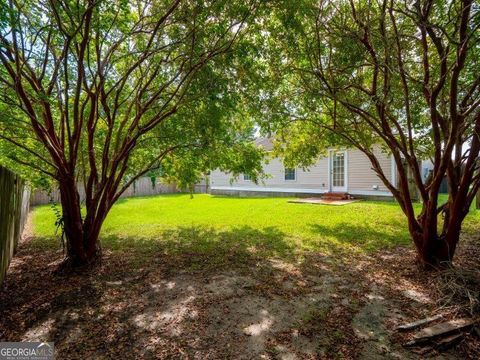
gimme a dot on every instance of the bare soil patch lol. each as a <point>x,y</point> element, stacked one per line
<point>321,307</point>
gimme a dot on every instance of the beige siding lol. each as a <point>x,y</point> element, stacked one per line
<point>316,177</point>
<point>361,179</point>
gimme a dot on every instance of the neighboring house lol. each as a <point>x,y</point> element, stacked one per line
<point>427,168</point>
<point>343,170</point>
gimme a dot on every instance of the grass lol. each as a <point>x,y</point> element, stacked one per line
<point>243,227</point>
<point>145,297</point>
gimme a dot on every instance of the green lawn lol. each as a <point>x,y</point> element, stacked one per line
<point>219,226</point>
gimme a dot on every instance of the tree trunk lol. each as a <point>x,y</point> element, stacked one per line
<point>81,241</point>
<point>436,250</point>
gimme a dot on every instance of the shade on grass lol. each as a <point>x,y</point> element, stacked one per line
<point>227,225</point>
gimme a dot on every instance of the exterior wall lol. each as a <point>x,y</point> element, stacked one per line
<point>249,193</point>
<point>360,178</point>
<point>311,180</point>
<point>426,167</point>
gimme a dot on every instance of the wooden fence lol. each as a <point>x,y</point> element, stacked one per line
<point>14,205</point>
<point>145,186</point>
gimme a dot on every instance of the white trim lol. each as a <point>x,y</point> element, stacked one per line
<point>295,190</point>
<point>329,186</point>
<point>345,171</point>
<point>294,173</point>
<point>393,169</point>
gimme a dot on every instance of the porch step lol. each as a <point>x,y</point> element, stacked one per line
<point>336,196</point>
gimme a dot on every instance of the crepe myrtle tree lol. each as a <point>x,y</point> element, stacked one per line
<point>96,92</point>
<point>400,75</point>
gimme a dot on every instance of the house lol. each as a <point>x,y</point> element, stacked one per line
<point>342,171</point>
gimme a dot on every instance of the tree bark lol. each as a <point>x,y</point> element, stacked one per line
<point>435,248</point>
<point>81,238</point>
<point>437,251</point>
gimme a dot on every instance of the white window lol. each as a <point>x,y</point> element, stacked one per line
<point>247,177</point>
<point>290,174</point>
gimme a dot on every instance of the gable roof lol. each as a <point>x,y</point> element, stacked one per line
<point>265,143</point>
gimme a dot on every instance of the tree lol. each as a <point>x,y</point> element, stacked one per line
<point>403,76</point>
<point>100,92</point>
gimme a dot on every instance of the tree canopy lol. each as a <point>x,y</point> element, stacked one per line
<point>398,75</point>
<point>102,92</point>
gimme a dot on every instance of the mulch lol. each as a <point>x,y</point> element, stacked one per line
<point>163,309</point>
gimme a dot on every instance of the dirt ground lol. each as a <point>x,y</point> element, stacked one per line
<point>323,307</point>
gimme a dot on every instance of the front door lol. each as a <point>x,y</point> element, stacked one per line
<point>338,179</point>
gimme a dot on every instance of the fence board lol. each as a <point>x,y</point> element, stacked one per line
<point>14,205</point>
<point>144,186</point>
